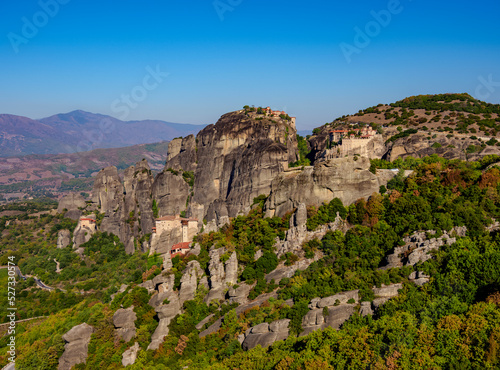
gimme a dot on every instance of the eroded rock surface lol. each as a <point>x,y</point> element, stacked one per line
<point>266,334</point>
<point>124,322</point>
<point>222,275</point>
<point>384,293</point>
<point>189,281</point>
<point>76,347</point>
<point>130,355</point>
<point>63,238</point>
<point>166,312</point>
<point>345,178</point>
<point>233,161</point>
<point>418,245</point>
<point>71,202</point>
<point>298,234</point>
<point>338,309</point>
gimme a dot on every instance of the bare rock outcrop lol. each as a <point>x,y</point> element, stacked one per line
<point>166,312</point>
<point>366,309</point>
<point>182,154</point>
<point>339,308</point>
<point>222,276</point>
<point>63,238</point>
<point>124,322</point>
<point>418,245</point>
<point>127,207</point>
<point>162,243</point>
<point>72,203</point>
<point>283,271</point>
<point>256,302</point>
<point>298,233</point>
<point>239,293</point>
<point>384,293</point>
<point>231,270</point>
<point>266,334</point>
<point>450,147</point>
<point>138,182</point>
<point>189,282</point>
<point>171,192</point>
<point>345,178</point>
<point>233,161</point>
<point>419,278</point>
<point>108,190</point>
<point>130,355</point>
<point>76,347</point>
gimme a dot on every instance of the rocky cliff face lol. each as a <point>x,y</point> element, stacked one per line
<point>345,178</point>
<point>171,193</point>
<point>445,145</point>
<point>128,206</point>
<point>233,162</point>
<point>71,204</point>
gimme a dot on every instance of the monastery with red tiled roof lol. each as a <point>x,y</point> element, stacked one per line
<point>179,249</point>
<point>188,226</point>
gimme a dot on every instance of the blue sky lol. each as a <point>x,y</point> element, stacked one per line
<point>220,55</point>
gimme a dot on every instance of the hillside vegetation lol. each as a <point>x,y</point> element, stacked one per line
<point>451,322</point>
<point>453,113</point>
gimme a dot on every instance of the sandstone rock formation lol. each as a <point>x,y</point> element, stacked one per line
<point>124,322</point>
<point>162,243</point>
<point>256,302</point>
<point>283,271</point>
<point>345,178</point>
<point>418,146</point>
<point>171,192</point>
<point>128,206</point>
<point>222,276</point>
<point>417,247</point>
<point>72,203</point>
<point>63,238</point>
<point>419,278</point>
<point>339,308</point>
<point>240,293</point>
<point>189,282</point>
<point>138,182</point>
<point>233,161</point>
<point>130,355</point>
<point>298,234</point>
<point>266,334</point>
<point>166,312</point>
<point>384,293</point>
<point>182,154</point>
<point>76,347</point>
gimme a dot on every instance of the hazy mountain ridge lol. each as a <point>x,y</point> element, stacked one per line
<point>80,131</point>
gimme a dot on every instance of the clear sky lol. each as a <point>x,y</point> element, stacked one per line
<point>192,61</point>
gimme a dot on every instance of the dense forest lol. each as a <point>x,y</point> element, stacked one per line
<point>451,322</point>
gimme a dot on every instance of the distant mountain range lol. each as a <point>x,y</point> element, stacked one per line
<point>80,131</point>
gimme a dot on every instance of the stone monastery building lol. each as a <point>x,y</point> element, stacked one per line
<point>189,226</point>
